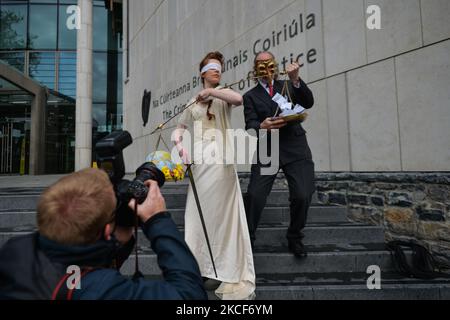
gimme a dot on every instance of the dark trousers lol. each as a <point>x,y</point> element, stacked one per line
<point>300,178</point>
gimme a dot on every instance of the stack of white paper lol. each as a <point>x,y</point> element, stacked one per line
<point>286,107</point>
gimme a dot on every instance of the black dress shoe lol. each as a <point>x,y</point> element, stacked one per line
<point>297,248</point>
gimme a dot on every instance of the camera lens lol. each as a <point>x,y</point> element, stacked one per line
<point>149,171</point>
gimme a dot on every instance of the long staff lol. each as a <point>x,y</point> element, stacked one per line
<point>197,201</point>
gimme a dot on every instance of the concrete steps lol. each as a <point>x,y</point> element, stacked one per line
<point>268,235</point>
<point>284,262</point>
<point>402,290</point>
<point>176,199</point>
<point>339,251</point>
<point>345,286</point>
<point>348,285</point>
<point>10,218</point>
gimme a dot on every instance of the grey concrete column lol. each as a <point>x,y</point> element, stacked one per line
<point>37,134</point>
<point>83,122</point>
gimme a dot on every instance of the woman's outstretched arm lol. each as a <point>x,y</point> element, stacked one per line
<point>227,95</point>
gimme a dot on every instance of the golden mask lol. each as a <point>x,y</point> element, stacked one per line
<point>266,68</point>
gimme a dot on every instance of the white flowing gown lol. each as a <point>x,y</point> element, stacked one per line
<point>222,205</point>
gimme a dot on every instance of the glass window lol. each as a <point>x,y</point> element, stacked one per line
<point>112,77</point>
<point>5,84</point>
<point>13,26</point>
<point>100,73</point>
<point>104,121</point>
<point>107,90</point>
<point>42,68</point>
<point>119,117</point>
<point>44,1</point>
<point>99,121</point>
<point>99,3</point>
<point>15,122</point>
<point>67,38</point>
<point>107,77</point>
<point>14,59</point>
<point>67,73</point>
<point>100,28</point>
<point>60,137</point>
<point>119,77</point>
<point>43,27</point>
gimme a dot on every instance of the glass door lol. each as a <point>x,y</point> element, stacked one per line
<point>15,124</point>
<point>60,138</point>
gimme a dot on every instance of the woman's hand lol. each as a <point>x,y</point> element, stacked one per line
<point>204,95</point>
<point>177,138</point>
<point>184,155</point>
<point>227,95</point>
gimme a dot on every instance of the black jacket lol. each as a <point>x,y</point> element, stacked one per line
<point>31,267</point>
<point>258,106</point>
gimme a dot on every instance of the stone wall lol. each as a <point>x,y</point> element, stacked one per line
<point>408,205</point>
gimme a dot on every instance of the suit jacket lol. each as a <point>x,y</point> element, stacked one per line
<point>258,106</point>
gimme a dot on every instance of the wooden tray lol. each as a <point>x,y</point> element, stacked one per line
<point>295,117</point>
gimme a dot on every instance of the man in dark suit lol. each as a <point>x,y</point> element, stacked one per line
<point>295,157</point>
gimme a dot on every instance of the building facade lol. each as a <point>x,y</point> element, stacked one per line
<point>380,73</point>
<point>382,98</point>
<point>36,38</point>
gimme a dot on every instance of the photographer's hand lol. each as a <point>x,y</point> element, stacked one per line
<point>153,204</point>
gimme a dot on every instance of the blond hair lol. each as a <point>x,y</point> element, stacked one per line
<point>74,210</point>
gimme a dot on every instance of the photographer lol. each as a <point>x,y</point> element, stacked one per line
<point>76,222</point>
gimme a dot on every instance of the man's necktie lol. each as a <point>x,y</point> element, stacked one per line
<point>271,90</point>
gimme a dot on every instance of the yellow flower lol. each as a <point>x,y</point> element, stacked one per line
<point>166,172</point>
<point>177,174</point>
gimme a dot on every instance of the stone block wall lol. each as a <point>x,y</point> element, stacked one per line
<point>408,205</point>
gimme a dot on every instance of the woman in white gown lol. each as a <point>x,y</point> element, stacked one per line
<point>218,188</point>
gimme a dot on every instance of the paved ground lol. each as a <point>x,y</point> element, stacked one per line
<point>45,181</point>
<point>28,181</point>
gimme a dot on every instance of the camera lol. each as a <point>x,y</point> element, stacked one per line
<point>109,155</point>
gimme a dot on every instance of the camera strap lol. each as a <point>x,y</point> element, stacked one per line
<point>137,274</point>
<point>62,290</point>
